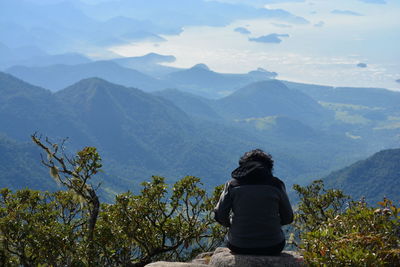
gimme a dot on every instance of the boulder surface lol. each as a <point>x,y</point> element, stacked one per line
<point>223,257</point>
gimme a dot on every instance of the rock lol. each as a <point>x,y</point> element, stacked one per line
<point>175,264</point>
<point>203,258</point>
<point>223,257</point>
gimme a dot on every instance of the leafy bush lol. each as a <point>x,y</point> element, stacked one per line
<point>38,228</point>
<point>357,235</point>
<point>71,228</point>
<point>157,224</point>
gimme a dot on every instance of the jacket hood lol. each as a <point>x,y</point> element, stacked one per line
<point>251,171</point>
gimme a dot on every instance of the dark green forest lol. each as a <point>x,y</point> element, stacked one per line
<point>373,178</point>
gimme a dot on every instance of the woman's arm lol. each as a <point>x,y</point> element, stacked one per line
<point>223,208</point>
<point>285,209</point>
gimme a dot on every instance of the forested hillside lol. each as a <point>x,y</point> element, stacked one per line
<point>373,178</point>
<point>21,168</point>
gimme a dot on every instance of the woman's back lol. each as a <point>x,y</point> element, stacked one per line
<point>259,206</point>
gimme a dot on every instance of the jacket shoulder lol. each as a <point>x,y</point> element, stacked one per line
<point>272,181</point>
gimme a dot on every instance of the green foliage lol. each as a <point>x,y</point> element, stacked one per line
<point>75,173</point>
<point>157,224</point>
<point>356,236</point>
<point>160,223</point>
<point>317,205</point>
<point>39,228</point>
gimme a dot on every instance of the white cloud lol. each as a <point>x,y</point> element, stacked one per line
<point>345,12</point>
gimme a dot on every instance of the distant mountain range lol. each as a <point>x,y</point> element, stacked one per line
<point>373,178</point>
<point>202,81</point>
<point>174,133</point>
<point>149,118</point>
<point>33,56</point>
<point>198,79</point>
<point>138,134</point>
<point>58,26</point>
<point>57,77</point>
<point>371,97</point>
<point>149,64</point>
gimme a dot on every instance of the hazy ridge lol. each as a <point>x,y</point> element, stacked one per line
<point>175,133</point>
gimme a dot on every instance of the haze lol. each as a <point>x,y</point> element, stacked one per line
<point>337,43</point>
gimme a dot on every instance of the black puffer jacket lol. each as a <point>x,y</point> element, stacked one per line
<point>258,205</point>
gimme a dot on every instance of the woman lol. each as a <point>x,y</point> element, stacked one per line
<point>259,206</point>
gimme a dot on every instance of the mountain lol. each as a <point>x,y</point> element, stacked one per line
<point>48,60</point>
<point>124,120</point>
<point>373,178</point>
<point>25,108</point>
<point>20,167</point>
<point>149,64</point>
<point>177,14</point>
<point>167,133</point>
<point>138,134</point>
<point>368,114</point>
<point>302,151</point>
<point>372,97</point>
<point>273,98</point>
<point>9,56</point>
<point>57,77</point>
<point>202,81</point>
<point>193,105</point>
<point>59,26</point>
<point>63,26</point>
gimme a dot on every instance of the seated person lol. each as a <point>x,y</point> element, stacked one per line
<point>254,205</point>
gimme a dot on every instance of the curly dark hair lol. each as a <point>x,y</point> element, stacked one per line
<point>258,155</point>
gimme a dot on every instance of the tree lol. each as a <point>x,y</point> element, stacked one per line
<point>40,228</point>
<point>333,234</point>
<point>75,173</point>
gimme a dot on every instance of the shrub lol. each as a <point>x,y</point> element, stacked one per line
<point>358,235</point>
<point>38,228</point>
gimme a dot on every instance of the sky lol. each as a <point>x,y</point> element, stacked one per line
<point>346,43</point>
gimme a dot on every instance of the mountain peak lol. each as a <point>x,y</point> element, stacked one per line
<point>87,88</point>
<point>92,82</point>
<point>263,73</point>
<point>158,58</point>
<point>201,66</point>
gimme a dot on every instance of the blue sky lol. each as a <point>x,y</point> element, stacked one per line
<point>340,34</point>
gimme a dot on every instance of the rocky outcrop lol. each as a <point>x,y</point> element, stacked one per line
<point>223,257</point>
